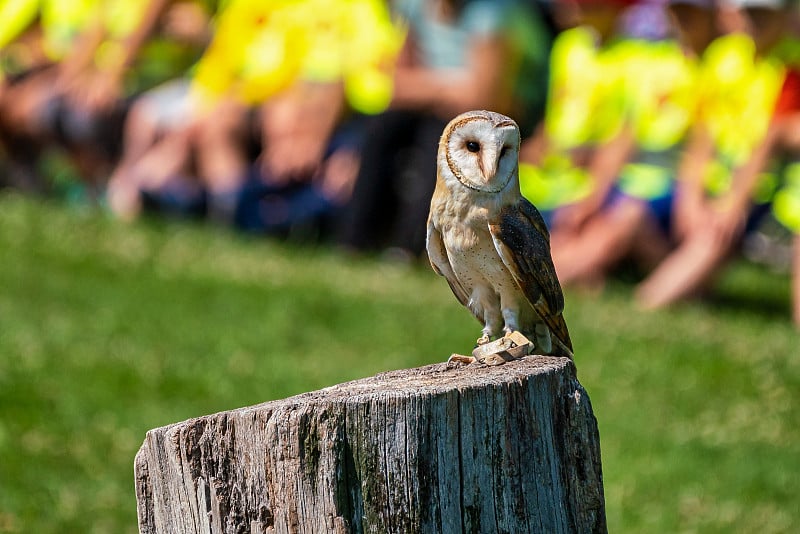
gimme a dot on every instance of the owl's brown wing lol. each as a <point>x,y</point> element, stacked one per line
<point>437,254</point>
<point>523,242</point>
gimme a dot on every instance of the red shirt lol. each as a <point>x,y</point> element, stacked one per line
<point>789,97</point>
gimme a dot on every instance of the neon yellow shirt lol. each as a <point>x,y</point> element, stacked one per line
<point>586,96</point>
<point>61,21</point>
<point>786,203</point>
<point>261,48</point>
<point>662,85</point>
<point>15,17</point>
<point>586,106</point>
<point>739,92</point>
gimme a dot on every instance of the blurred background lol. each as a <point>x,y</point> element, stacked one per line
<point>210,204</point>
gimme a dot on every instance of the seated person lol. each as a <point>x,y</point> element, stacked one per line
<point>628,213</point>
<point>76,99</point>
<point>727,183</point>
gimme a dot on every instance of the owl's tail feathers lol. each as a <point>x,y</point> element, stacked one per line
<point>551,337</point>
<point>560,349</point>
<point>559,336</point>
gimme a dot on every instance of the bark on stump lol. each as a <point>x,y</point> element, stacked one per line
<point>442,448</point>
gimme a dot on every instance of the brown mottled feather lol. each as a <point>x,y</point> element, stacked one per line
<point>526,253</point>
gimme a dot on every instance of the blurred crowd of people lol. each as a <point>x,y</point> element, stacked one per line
<point>658,132</point>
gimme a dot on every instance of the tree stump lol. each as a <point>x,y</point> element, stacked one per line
<point>442,448</point>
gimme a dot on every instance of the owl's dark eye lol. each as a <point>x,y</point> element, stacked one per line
<point>473,146</point>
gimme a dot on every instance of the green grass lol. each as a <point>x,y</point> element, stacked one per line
<point>108,330</point>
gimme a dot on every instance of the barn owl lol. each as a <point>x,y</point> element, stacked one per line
<point>491,244</point>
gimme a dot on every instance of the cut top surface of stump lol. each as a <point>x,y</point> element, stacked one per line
<point>430,379</point>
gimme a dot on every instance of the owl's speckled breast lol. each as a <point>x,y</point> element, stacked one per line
<point>474,258</point>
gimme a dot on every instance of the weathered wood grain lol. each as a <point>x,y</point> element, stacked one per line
<point>443,448</point>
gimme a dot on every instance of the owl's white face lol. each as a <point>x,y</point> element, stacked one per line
<point>480,150</point>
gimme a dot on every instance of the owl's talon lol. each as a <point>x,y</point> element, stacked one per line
<point>460,358</point>
<point>483,340</point>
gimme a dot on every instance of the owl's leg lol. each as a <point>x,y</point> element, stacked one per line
<point>511,323</point>
<point>543,340</point>
<point>484,302</point>
<point>509,306</point>
<point>491,321</point>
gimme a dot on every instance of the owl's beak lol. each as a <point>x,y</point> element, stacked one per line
<point>490,160</point>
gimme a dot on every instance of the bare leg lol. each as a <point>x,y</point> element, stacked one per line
<point>684,272</point>
<point>339,174</point>
<point>650,245</point>
<point>605,240</point>
<point>152,170</point>
<point>141,132</point>
<point>221,157</point>
<point>220,153</point>
<point>24,134</point>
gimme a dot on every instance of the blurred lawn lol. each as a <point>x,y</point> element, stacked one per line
<point>109,330</point>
